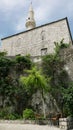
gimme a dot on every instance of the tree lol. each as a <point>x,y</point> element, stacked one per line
<point>5,78</point>
<point>21,63</point>
<point>68,99</point>
<point>36,81</point>
<point>53,66</point>
<point>11,92</point>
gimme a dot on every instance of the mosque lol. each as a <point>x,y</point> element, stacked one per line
<point>37,41</point>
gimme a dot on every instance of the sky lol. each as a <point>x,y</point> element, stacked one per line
<point>13,14</point>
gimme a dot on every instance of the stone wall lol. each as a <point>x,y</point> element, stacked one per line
<point>41,122</point>
<point>67,56</point>
<point>38,40</point>
<point>66,123</point>
<point>18,121</point>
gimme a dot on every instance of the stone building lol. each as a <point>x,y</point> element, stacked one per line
<point>37,41</point>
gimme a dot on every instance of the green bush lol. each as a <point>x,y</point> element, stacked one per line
<point>1,114</point>
<point>12,117</point>
<point>5,114</point>
<point>9,117</point>
<point>68,98</point>
<point>28,114</point>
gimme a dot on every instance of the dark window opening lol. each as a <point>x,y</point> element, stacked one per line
<point>44,51</point>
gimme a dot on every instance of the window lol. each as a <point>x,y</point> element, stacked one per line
<point>18,42</point>
<point>43,35</point>
<point>44,51</point>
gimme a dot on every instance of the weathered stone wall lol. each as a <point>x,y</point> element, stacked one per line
<point>32,41</point>
<point>66,123</point>
<point>67,56</point>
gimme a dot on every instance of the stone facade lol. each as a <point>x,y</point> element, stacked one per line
<point>67,56</point>
<point>37,41</point>
<point>66,123</point>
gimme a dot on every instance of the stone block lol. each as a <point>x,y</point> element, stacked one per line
<point>66,123</point>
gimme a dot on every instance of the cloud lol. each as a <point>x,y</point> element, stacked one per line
<point>10,4</point>
<point>12,8</point>
<point>20,25</point>
<point>14,12</point>
<point>47,11</point>
<point>42,12</point>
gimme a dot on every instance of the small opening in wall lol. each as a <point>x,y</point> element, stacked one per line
<point>44,51</point>
<point>43,35</point>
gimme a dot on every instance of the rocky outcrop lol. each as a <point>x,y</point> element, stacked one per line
<point>50,104</point>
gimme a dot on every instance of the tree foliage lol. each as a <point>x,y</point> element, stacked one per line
<point>28,114</point>
<point>11,91</point>
<point>36,81</point>
<point>68,99</point>
<point>53,66</point>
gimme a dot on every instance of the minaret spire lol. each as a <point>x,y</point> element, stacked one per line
<point>30,22</point>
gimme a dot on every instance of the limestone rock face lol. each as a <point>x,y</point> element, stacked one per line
<point>50,104</point>
<point>67,56</point>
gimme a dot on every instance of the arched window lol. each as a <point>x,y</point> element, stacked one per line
<point>43,35</point>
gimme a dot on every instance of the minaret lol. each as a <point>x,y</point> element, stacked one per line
<point>30,22</point>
